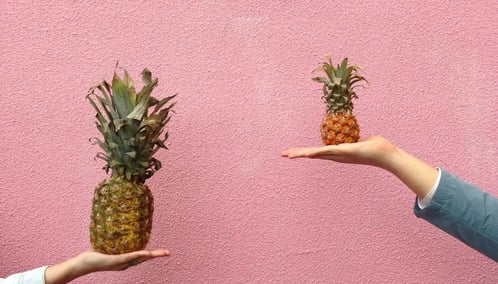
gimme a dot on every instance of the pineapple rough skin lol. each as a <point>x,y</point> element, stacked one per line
<point>339,128</point>
<point>121,218</point>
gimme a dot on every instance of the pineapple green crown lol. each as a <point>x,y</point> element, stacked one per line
<point>339,84</point>
<point>131,124</point>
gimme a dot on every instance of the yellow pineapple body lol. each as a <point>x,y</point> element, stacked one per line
<point>339,128</point>
<point>121,219</point>
<point>132,127</point>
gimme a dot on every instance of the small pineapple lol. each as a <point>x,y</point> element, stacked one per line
<point>339,125</point>
<point>121,218</point>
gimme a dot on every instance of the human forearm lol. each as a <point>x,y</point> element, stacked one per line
<point>91,261</point>
<point>379,152</point>
<point>64,272</point>
<point>413,172</point>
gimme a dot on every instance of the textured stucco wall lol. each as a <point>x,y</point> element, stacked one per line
<point>227,206</point>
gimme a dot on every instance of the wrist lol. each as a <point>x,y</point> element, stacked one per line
<point>78,266</point>
<point>62,272</point>
<point>388,155</point>
<point>413,172</point>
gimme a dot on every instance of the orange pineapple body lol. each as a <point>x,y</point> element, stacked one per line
<point>339,128</point>
<point>339,125</point>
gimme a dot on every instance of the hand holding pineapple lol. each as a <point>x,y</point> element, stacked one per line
<point>132,126</point>
<point>339,125</point>
<point>373,151</point>
<point>378,152</point>
<point>91,261</point>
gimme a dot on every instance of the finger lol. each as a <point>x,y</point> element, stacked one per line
<point>317,153</point>
<point>286,152</point>
<point>339,159</point>
<point>160,252</point>
<point>157,252</point>
<point>144,255</point>
<point>135,262</point>
<point>146,258</point>
<point>299,152</point>
<point>130,259</point>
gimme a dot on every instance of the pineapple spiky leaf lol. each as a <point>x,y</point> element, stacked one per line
<point>338,84</point>
<point>127,127</point>
<point>121,97</point>
<point>146,77</point>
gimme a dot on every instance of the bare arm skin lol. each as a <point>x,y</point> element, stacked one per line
<point>379,152</point>
<point>90,261</point>
<point>461,209</point>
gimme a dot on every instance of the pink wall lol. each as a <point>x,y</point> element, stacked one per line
<point>227,206</point>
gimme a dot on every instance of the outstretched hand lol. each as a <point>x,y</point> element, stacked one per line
<point>373,150</point>
<point>95,261</point>
<point>376,151</point>
<point>92,261</point>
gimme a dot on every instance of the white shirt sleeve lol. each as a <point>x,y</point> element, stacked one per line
<point>35,276</point>
<point>428,198</point>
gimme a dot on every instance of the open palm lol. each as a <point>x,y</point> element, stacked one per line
<point>95,261</point>
<point>372,150</point>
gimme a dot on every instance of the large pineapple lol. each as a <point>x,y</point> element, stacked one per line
<point>132,125</point>
<point>339,125</point>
